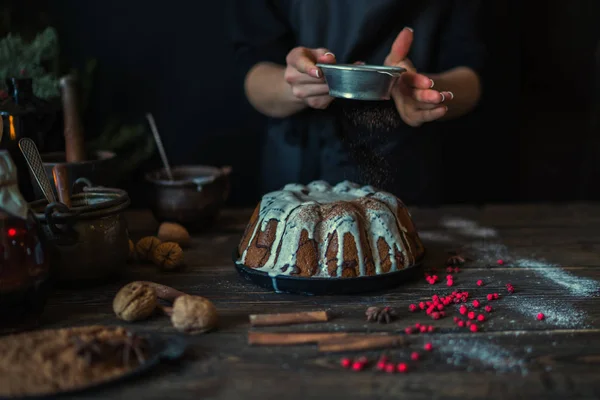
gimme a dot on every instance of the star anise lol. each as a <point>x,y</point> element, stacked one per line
<point>120,349</point>
<point>91,350</point>
<point>382,315</point>
<point>132,344</point>
<point>456,258</point>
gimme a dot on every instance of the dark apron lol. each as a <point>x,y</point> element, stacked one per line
<point>364,142</point>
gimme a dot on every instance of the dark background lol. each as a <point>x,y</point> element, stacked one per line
<point>538,140</point>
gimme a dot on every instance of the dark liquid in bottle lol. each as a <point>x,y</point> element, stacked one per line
<point>24,273</point>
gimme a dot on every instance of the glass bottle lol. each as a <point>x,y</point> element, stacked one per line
<point>24,268</point>
<point>22,114</point>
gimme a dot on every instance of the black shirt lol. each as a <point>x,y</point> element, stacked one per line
<point>366,142</point>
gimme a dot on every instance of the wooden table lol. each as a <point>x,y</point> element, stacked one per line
<point>556,249</point>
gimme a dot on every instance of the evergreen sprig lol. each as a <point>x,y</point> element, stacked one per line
<point>21,59</point>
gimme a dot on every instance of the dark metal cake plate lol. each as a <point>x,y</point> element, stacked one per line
<point>161,349</point>
<point>327,286</point>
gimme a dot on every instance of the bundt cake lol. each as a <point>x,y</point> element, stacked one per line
<point>322,231</point>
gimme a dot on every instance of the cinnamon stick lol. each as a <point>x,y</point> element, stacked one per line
<point>360,342</point>
<point>288,318</point>
<point>284,338</point>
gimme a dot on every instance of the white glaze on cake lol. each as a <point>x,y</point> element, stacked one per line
<point>297,208</point>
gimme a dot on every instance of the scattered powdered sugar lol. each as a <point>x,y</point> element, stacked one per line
<point>435,236</point>
<point>577,286</point>
<point>469,228</point>
<point>472,353</point>
<point>557,311</point>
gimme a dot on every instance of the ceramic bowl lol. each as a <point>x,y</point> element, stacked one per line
<point>193,198</point>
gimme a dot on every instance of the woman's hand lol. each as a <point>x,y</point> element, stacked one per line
<point>416,99</point>
<point>306,79</point>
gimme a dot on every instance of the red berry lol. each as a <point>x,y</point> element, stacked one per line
<point>476,303</point>
<point>440,307</point>
<point>430,328</point>
<point>481,318</point>
<point>357,366</point>
<point>408,330</point>
<point>422,305</point>
<point>449,282</point>
<point>346,362</point>
<point>449,270</point>
<point>456,319</point>
<point>473,328</point>
<point>381,365</point>
<point>500,262</point>
<point>449,277</point>
<point>435,298</point>
<point>390,368</point>
<point>430,310</point>
<point>461,323</point>
<point>435,278</point>
<point>463,309</point>
<point>541,316</point>
<point>435,315</point>
<point>402,367</point>
<point>456,270</point>
<point>423,329</point>
<point>428,347</point>
<point>412,308</point>
<point>490,297</point>
<point>471,315</point>
<point>468,323</point>
<point>496,296</point>
<point>431,281</point>
<point>488,309</point>
<point>414,356</point>
<point>417,325</point>
<point>480,283</point>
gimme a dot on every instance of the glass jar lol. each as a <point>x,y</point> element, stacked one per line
<point>24,268</point>
<point>22,114</point>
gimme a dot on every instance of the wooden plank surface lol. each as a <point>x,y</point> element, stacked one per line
<point>551,257</point>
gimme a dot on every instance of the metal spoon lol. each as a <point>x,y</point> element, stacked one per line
<point>34,160</point>
<point>159,144</point>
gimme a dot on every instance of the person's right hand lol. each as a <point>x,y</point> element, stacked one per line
<point>306,79</point>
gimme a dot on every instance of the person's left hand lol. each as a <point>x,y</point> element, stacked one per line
<point>416,100</point>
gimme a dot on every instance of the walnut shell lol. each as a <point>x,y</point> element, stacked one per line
<point>168,255</point>
<point>135,301</point>
<point>194,314</point>
<point>131,256</point>
<point>171,232</point>
<point>145,246</point>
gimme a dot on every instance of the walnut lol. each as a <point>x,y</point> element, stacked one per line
<point>171,232</point>
<point>168,255</point>
<point>135,301</point>
<point>131,256</point>
<point>193,314</point>
<point>145,246</point>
